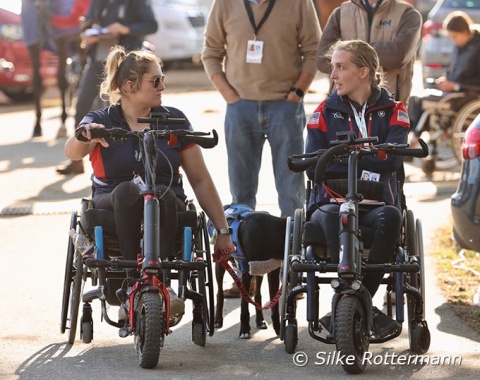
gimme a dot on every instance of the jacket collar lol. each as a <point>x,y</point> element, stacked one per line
<point>341,103</point>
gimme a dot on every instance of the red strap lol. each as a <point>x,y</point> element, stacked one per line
<point>219,258</point>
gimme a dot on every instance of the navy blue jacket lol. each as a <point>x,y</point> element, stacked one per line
<point>386,118</point>
<point>464,66</point>
<point>121,160</point>
<point>136,14</point>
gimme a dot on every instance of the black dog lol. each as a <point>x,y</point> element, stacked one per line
<point>261,238</point>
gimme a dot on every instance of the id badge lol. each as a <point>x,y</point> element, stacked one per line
<point>254,51</point>
<point>370,176</point>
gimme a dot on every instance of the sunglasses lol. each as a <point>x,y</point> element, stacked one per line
<point>157,80</point>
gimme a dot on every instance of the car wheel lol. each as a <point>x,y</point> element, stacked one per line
<point>19,96</point>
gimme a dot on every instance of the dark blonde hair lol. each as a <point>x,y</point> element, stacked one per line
<point>121,67</point>
<point>459,22</point>
<point>363,55</point>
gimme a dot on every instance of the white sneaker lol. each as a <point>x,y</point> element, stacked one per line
<point>177,308</point>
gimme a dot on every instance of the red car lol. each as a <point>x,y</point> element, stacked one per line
<point>15,64</point>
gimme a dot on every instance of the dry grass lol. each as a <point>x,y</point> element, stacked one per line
<point>457,277</point>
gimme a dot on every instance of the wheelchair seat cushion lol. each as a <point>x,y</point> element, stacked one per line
<point>99,217</point>
<point>313,235</point>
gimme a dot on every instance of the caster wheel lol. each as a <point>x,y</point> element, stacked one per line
<point>428,166</point>
<point>86,332</point>
<point>291,339</point>
<point>420,341</point>
<point>199,334</point>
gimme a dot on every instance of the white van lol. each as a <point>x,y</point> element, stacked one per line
<point>181,24</point>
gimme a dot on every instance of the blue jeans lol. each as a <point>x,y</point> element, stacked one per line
<point>247,125</point>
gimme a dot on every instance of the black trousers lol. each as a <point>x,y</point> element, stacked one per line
<point>385,222</point>
<point>126,202</point>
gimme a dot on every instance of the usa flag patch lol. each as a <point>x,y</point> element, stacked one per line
<point>314,118</point>
<point>402,116</point>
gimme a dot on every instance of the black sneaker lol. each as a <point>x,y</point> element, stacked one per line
<point>325,321</point>
<point>383,325</point>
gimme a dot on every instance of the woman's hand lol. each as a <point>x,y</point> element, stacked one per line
<point>88,135</point>
<point>446,85</point>
<point>224,245</point>
<point>116,29</point>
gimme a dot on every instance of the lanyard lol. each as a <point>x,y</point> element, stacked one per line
<point>256,28</point>
<point>360,119</point>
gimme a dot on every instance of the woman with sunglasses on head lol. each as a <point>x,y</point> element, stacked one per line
<point>362,105</point>
<point>134,83</point>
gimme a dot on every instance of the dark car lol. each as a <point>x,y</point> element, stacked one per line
<point>465,203</point>
<point>16,72</point>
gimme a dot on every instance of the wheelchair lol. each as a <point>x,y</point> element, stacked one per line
<point>307,264</point>
<point>140,287</point>
<point>443,124</point>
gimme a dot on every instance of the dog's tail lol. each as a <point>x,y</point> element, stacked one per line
<point>259,268</point>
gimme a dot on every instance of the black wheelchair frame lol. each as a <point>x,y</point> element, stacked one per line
<point>352,322</point>
<point>147,298</point>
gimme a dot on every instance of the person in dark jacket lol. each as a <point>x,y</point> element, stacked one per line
<point>110,22</point>
<point>361,105</point>
<point>462,73</point>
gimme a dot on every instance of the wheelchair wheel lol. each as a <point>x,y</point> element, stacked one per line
<point>69,275</point>
<point>150,329</point>
<point>285,275</point>
<point>87,332</point>
<point>200,324</point>
<point>291,338</point>
<point>75,297</point>
<point>72,287</point>
<point>207,280</point>
<point>461,122</point>
<point>418,333</point>
<point>409,234</point>
<point>295,277</point>
<point>351,333</point>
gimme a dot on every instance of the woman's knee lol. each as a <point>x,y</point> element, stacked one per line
<point>127,195</point>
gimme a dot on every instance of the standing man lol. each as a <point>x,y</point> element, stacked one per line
<point>123,22</point>
<point>392,27</point>
<point>260,56</point>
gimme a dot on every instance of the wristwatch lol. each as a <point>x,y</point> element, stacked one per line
<point>297,91</point>
<point>224,231</point>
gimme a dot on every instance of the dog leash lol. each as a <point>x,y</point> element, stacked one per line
<point>219,257</point>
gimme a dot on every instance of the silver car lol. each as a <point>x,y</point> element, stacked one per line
<point>423,6</point>
<point>436,48</point>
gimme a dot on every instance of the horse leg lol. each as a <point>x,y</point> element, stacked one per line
<point>219,273</point>
<point>34,51</point>
<point>273,286</point>
<point>244,313</point>
<point>259,320</point>
<point>62,51</point>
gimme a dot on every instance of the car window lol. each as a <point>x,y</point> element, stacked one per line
<point>461,4</point>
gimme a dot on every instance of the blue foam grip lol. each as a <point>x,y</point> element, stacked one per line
<point>187,244</point>
<point>99,242</point>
